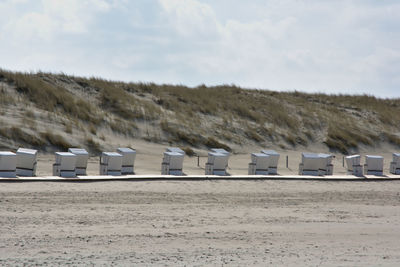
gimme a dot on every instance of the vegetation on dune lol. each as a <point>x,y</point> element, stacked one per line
<point>202,117</point>
<point>21,136</point>
<point>392,139</point>
<point>189,151</point>
<point>48,96</point>
<point>55,140</point>
<point>93,146</point>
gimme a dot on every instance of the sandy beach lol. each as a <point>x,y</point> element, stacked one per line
<point>197,223</point>
<point>200,223</point>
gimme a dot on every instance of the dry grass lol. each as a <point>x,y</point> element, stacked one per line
<point>93,147</point>
<point>202,116</point>
<point>253,134</point>
<point>290,139</point>
<point>50,97</point>
<point>212,143</point>
<point>392,139</point>
<point>124,127</point>
<point>189,151</point>
<point>345,137</point>
<point>179,136</point>
<point>55,140</point>
<point>92,129</point>
<point>5,97</point>
<point>18,135</point>
<point>68,128</point>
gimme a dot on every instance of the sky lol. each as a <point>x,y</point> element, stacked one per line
<point>325,46</point>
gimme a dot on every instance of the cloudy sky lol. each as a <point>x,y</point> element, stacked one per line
<point>331,46</point>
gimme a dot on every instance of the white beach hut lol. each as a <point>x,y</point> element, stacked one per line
<point>326,166</point>
<point>65,165</point>
<point>175,149</point>
<point>310,164</point>
<point>217,163</point>
<point>273,161</point>
<point>8,164</point>
<point>82,157</point>
<point>373,165</point>
<point>395,164</point>
<point>259,164</point>
<point>354,167</point>
<point>110,163</point>
<point>220,150</point>
<point>128,160</point>
<point>26,162</point>
<point>172,163</point>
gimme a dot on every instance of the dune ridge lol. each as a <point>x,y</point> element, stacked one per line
<point>52,112</point>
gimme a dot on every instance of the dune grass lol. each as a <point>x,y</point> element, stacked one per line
<point>201,117</point>
<point>50,97</point>
<point>21,136</point>
<point>55,141</point>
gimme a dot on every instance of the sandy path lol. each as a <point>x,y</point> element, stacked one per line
<point>197,223</point>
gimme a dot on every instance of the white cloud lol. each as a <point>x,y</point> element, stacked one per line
<point>306,45</point>
<point>191,17</point>
<point>31,26</point>
<point>50,18</point>
<point>330,46</point>
<point>74,16</point>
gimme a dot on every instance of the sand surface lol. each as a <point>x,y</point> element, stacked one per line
<point>201,223</point>
<point>198,223</point>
